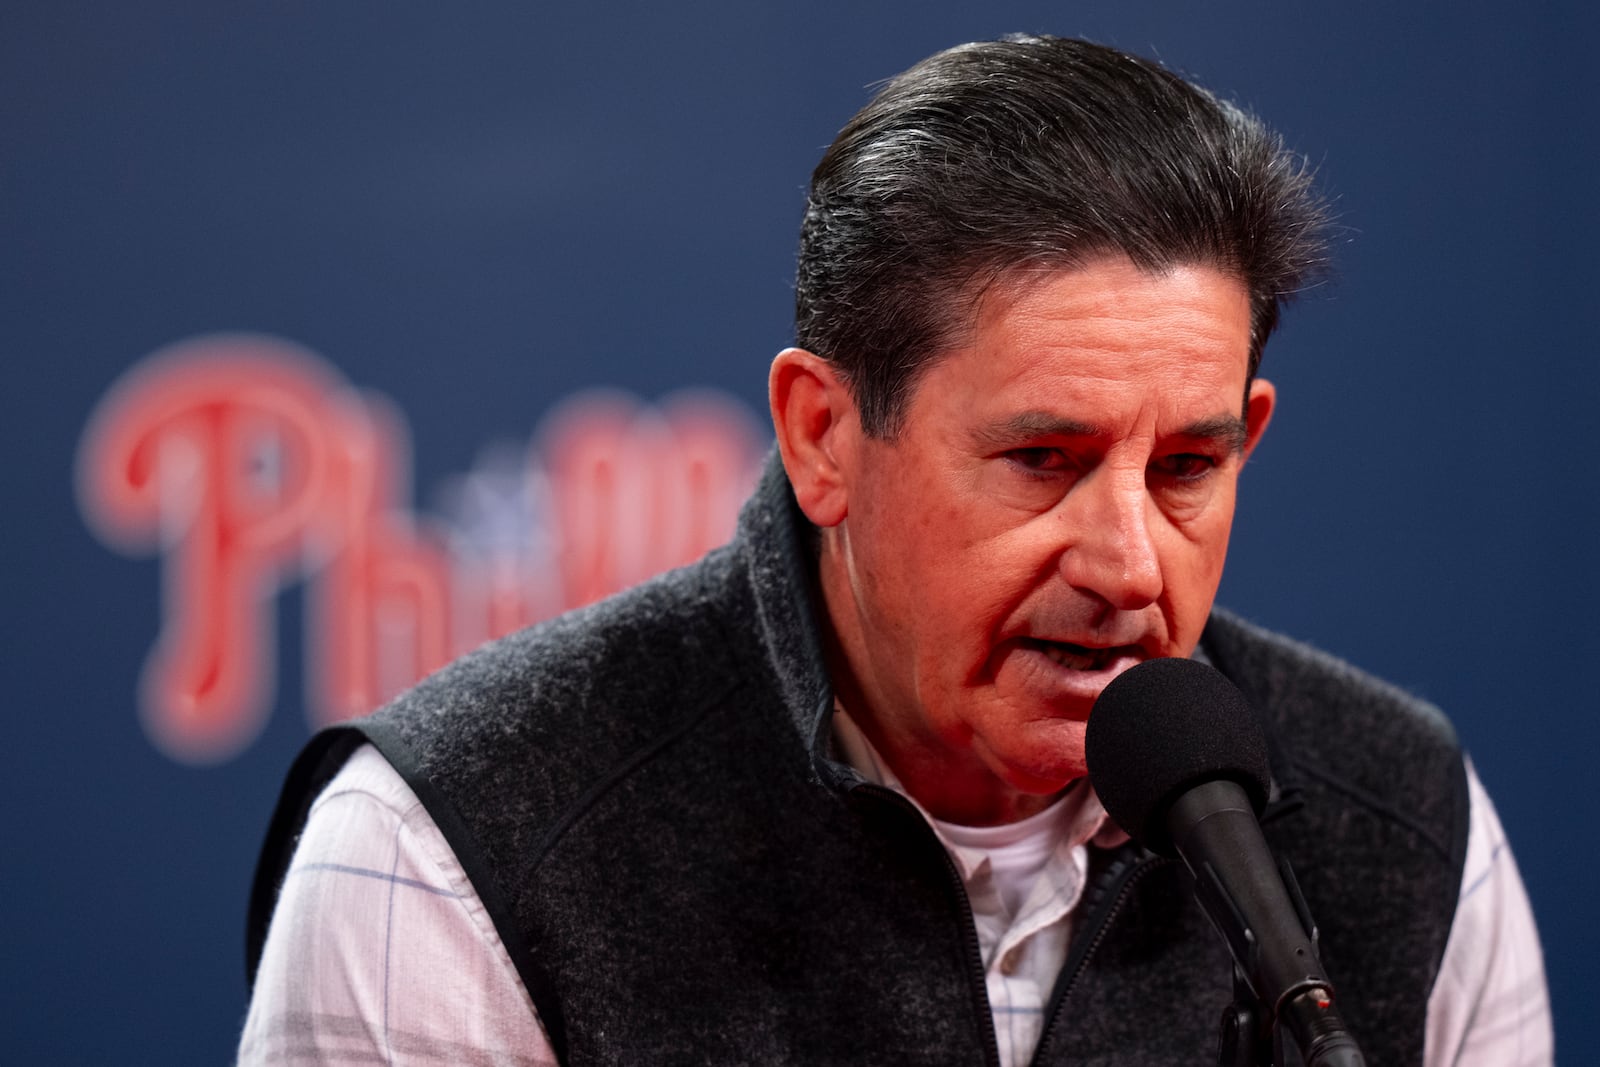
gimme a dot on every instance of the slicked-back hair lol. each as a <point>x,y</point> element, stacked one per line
<point>1028,153</point>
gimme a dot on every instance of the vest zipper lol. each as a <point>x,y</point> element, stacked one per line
<point>969,928</point>
<point>1122,878</point>
<point>1119,881</point>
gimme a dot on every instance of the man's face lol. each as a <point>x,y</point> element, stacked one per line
<point>1055,510</point>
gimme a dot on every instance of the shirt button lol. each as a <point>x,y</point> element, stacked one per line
<point>1008,964</point>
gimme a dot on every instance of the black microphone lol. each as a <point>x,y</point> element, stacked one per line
<point>1179,761</point>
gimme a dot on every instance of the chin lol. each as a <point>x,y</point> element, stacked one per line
<point>1048,772</point>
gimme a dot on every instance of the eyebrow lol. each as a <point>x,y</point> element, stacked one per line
<point>1030,424</point>
<point>1228,430</point>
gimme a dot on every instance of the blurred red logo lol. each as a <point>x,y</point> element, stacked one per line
<point>248,463</point>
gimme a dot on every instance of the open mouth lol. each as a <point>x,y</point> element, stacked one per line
<point>1077,657</point>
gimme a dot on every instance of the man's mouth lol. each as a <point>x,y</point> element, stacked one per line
<point>1078,657</point>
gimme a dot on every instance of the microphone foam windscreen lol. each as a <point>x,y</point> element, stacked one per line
<point>1163,727</point>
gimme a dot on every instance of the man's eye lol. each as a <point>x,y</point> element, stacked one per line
<point>1186,466</point>
<point>1037,459</point>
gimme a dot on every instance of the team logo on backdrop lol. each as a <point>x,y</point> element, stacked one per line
<point>248,464</point>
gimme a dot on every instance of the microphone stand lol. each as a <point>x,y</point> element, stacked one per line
<point>1250,1032</point>
<point>1248,1039</point>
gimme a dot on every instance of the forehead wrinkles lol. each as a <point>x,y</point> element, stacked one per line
<point>1107,323</point>
<point>1114,307</point>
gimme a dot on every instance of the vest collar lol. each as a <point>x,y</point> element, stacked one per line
<point>779,547</point>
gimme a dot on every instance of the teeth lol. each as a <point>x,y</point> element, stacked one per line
<point>1077,658</point>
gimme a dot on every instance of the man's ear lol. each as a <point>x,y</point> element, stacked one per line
<point>1258,412</point>
<point>815,419</point>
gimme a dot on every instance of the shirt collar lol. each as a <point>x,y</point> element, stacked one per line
<point>1081,817</point>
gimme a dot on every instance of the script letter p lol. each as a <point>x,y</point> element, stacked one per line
<point>214,452</point>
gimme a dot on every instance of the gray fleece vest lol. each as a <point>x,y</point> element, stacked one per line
<point>645,796</point>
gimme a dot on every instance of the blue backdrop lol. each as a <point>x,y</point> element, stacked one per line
<point>477,209</point>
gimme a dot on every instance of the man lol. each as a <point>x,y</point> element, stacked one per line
<point>820,798</point>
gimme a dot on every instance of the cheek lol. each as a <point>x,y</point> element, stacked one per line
<point>944,566</point>
<point>923,529</point>
<point>908,562</point>
<point>1193,568</point>
<point>955,593</point>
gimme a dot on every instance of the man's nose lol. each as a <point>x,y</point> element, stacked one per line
<point>1110,551</point>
